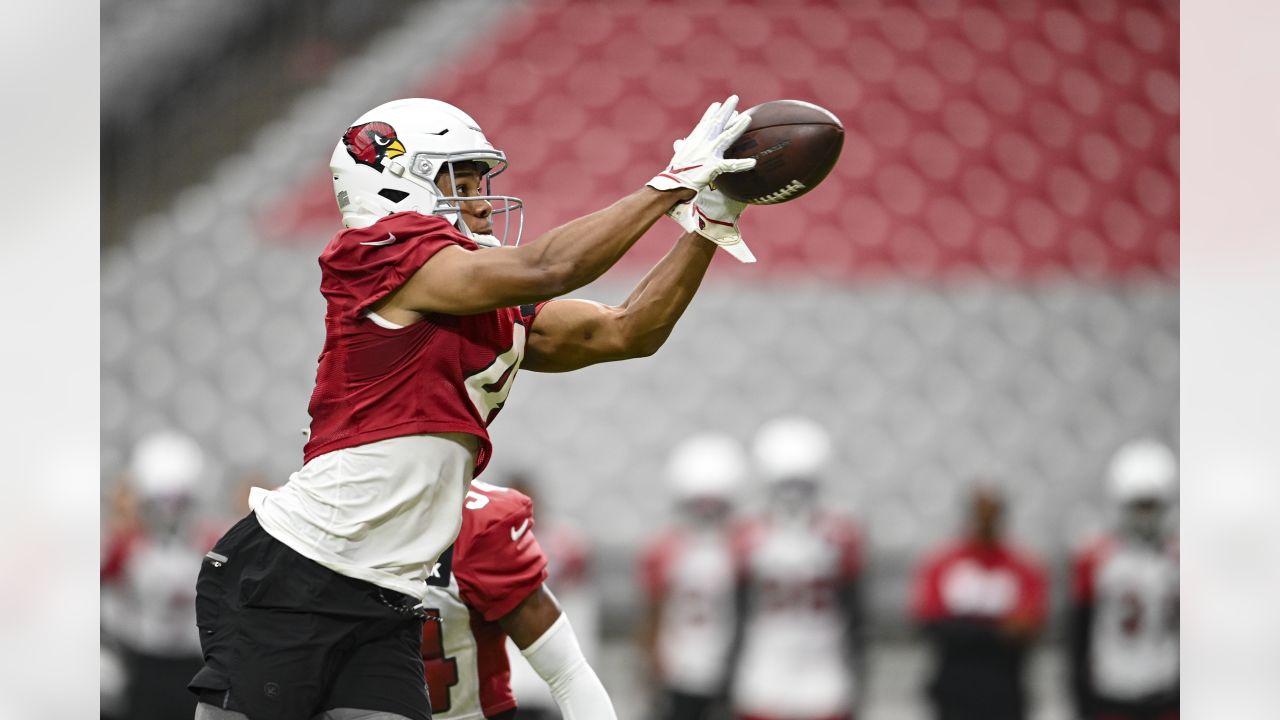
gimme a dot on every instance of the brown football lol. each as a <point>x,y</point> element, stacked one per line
<point>795,145</point>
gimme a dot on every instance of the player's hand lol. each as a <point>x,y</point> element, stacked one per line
<point>714,216</point>
<point>699,157</point>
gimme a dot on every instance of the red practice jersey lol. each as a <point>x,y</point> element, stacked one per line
<point>494,565</point>
<point>967,580</point>
<point>444,373</point>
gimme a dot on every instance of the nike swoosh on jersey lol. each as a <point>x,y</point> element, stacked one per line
<point>390,239</point>
<point>517,532</point>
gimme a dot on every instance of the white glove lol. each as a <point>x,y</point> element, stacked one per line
<point>699,157</point>
<point>714,216</point>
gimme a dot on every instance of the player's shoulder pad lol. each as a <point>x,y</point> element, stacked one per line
<point>404,226</point>
<point>663,544</point>
<point>1093,548</point>
<point>839,527</point>
<point>488,506</point>
<point>947,552</point>
<point>746,532</point>
<point>392,233</point>
<point>1026,558</point>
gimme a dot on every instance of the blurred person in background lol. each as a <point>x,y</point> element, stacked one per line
<point>688,574</point>
<point>568,553</point>
<point>981,602</point>
<point>119,521</point>
<point>148,576</point>
<point>312,602</point>
<point>250,479</point>
<point>490,585</point>
<point>1124,619</point>
<point>800,639</point>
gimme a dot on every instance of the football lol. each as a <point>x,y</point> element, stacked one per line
<point>795,144</point>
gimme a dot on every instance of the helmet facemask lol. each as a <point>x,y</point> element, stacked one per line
<point>793,496</point>
<point>1144,518</point>
<point>425,167</point>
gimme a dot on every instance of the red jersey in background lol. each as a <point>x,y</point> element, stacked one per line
<point>492,567</point>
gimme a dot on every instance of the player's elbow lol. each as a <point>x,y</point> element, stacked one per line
<point>637,351</point>
<point>642,335</point>
<point>648,346</point>
<point>645,342</point>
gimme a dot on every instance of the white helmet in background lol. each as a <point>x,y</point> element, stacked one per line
<point>388,160</point>
<point>791,448</point>
<point>709,466</point>
<point>1143,470</point>
<point>166,464</point>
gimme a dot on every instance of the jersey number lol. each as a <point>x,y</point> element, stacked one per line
<point>1130,614</point>
<point>476,500</point>
<point>1133,614</point>
<point>441,672</point>
<point>488,388</point>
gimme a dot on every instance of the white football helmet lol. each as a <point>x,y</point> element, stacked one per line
<point>166,464</point>
<point>708,466</point>
<point>1143,470</point>
<point>791,448</point>
<point>388,160</point>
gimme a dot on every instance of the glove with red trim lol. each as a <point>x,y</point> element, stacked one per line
<point>699,157</point>
<point>714,216</point>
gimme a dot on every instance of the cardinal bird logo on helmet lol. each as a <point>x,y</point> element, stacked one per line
<point>371,143</point>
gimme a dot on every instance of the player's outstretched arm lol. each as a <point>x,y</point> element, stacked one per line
<point>546,639</point>
<point>571,334</point>
<point>459,282</point>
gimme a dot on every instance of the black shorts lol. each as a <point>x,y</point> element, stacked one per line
<point>285,638</point>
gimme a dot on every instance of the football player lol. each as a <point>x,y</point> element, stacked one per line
<point>1125,597</point>
<point>311,605</point>
<point>799,648</point>
<point>981,603</point>
<point>488,586</point>
<point>148,569</point>
<point>688,573</point>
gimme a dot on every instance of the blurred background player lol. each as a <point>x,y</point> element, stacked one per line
<point>490,585</point>
<point>1124,634</point>
<point>149,572</point>
<point>568,554</point>
<point>799,649</point>
<point>981,602</point>
<point>688,575</point>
